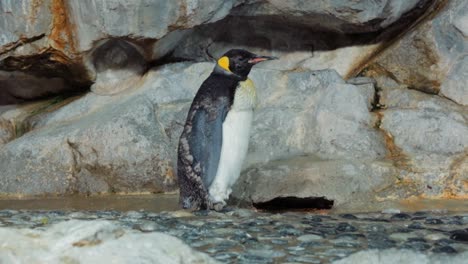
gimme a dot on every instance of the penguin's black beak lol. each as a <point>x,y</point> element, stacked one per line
<point>258,59</point>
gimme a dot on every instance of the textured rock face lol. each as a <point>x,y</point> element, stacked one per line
<point>62,36</point>
<point>125,143</point>
<point>312,113</point>
<point>100,241</point>
<point>76,51</point>
<point>128,142</point>
<point>427,139</point>
<point>432,58</point>
<point>356,16</point>
<point>346,182</point>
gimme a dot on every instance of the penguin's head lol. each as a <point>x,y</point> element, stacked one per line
<point>240,62</point>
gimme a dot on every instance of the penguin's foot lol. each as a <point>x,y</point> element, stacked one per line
<point>218,194</point>
<point>219,206</point>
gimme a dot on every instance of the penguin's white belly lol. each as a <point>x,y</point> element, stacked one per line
<point>236,133</point>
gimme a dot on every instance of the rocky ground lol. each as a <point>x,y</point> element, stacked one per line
<point>237,236</point>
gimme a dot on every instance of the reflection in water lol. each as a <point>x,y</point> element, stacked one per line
<point>147,202</point>
<point>169,202</point>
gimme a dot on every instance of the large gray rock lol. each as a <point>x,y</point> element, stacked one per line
<point>399,256</point>
<point>100,144</point>
<point>432,57</point>
<point>344,16</point>
<point>454,87</point>
<point>113,150</point>
<point>428,137</point>
<point>296,46</point>
<point>78,241</point>
<point>346,182</point>
<point>312,113</point>
<point>310,35</point>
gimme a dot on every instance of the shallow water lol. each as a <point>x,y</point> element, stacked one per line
<point>169,202</point>
<point>428,227</point>
<point>146,202</point>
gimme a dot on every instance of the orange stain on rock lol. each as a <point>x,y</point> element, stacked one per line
<point>422,203</point>
<point>35,6</point>
<point>395,153</point>
<point>62,30</point>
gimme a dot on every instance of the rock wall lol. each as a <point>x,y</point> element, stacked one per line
<point>368,101</point>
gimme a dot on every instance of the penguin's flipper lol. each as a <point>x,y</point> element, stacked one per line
<point>207,137</point>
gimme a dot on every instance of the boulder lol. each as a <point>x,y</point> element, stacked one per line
<point>312,113</point>
<point>312,35</point>
<point>296,46</point>
<point>113,150</point>
<point>428,138</point>
<point>432,57</point>
<point>344,16</point>
<point>394,256</point>
<point>454,87</point>
<point>102,144</point>
<point>99,241</point>
<point>347,183</point>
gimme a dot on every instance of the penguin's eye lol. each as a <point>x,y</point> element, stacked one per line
<point>242,59</point>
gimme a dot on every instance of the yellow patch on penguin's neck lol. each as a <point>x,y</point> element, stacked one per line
<point>223,62</point>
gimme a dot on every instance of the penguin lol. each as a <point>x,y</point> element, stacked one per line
<point>215,138</point>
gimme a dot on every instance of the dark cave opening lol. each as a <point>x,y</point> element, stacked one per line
<point>295,203</point>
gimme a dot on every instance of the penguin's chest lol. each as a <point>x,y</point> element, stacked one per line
<point>236,133</point>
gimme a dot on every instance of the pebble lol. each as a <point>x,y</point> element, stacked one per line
<point>391,211</point>
<point>416,225</point>
<point>305,259</point>
<point>345,227</point>
<point>400,217</point>
<point>308,238</point>
<point>401,236</point>
<point>225,256</point>
<point>416,245</point>
<point>247,236</point>
<point>460,235</point>
<point>290,232</point>
<point>279,241</point>
<point>464,220</point>
<point>133,215</point>
<point>147,226</point>
<point>81,215</point>
<point>444,249</point>
<point>296,248</point>
<point>180,213</point>
<point>267,253</point>
<point>380,241</point>
<point>433,221</point>
<point>434,236</point>
<point>348,216</point>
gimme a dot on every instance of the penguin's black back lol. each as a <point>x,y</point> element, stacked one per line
<point>215,86</point>
<point>201,140</point>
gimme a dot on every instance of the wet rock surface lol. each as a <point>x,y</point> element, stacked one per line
<point>246,236</point>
